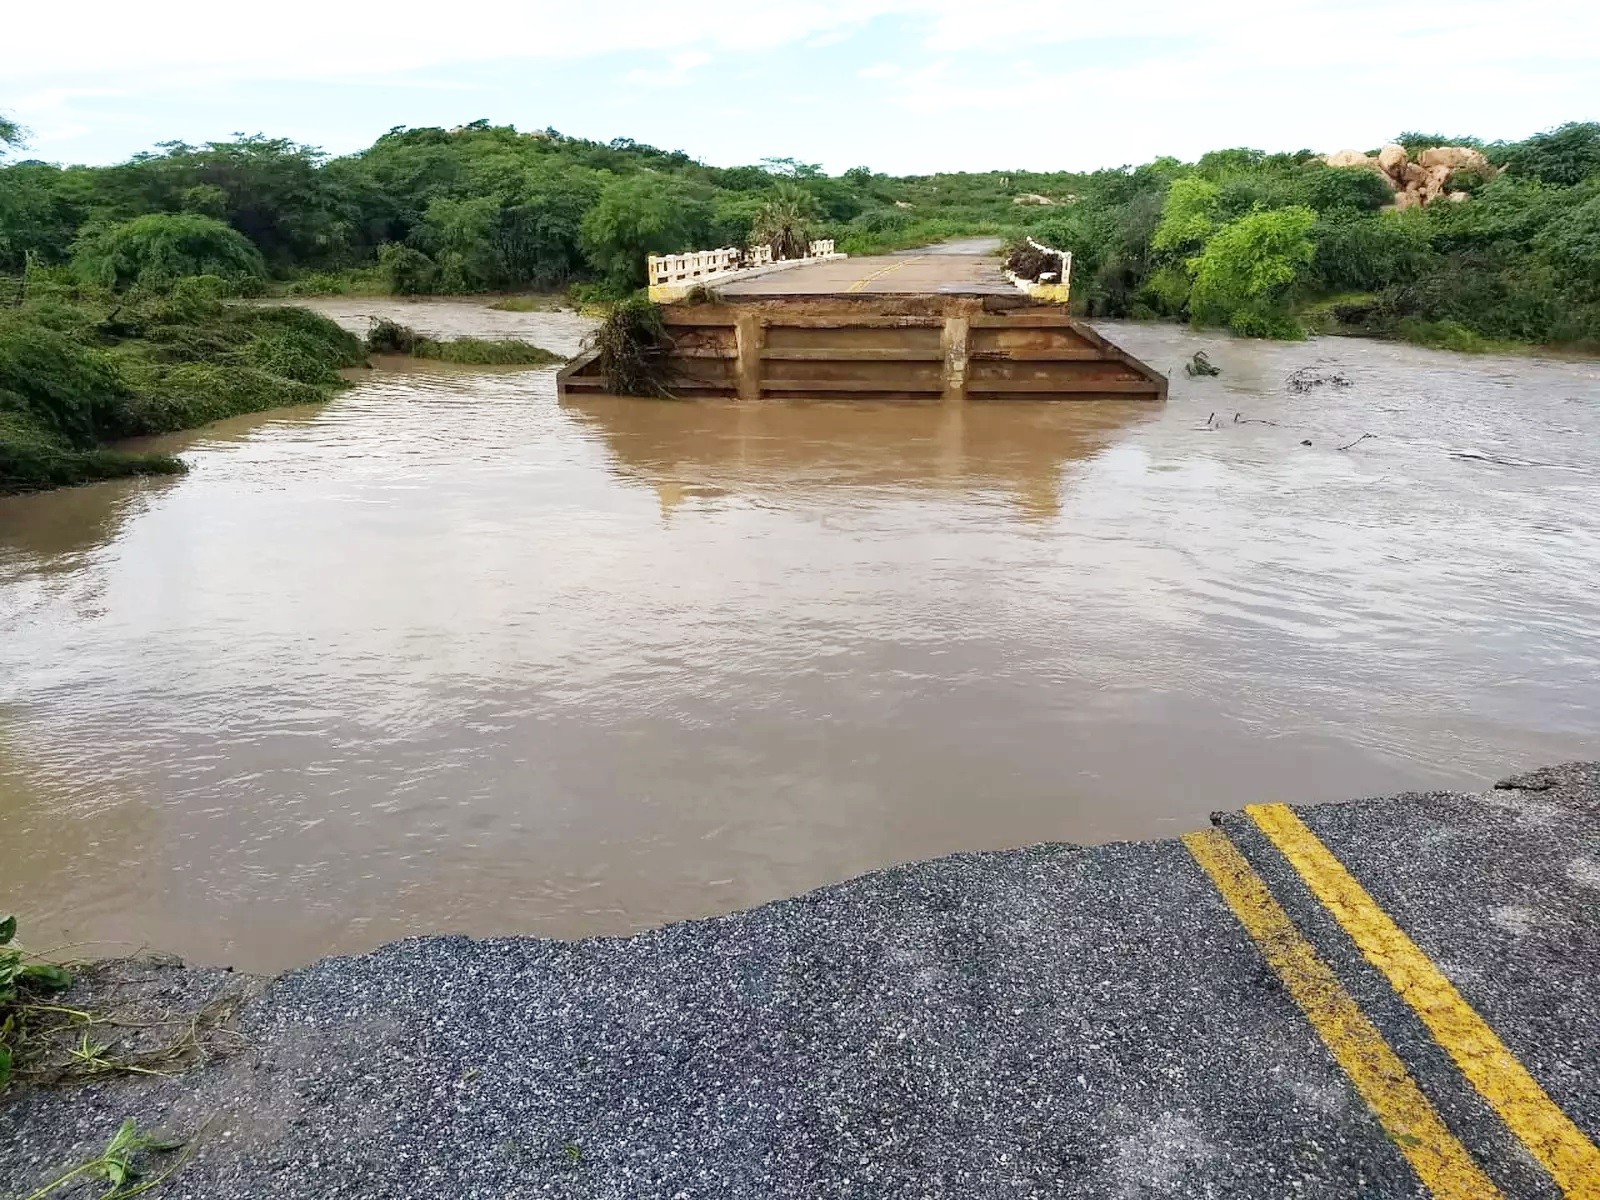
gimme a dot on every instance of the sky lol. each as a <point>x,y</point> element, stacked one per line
<point>901,86</point>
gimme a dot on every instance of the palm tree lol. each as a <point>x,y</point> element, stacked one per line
<point>785,221</point>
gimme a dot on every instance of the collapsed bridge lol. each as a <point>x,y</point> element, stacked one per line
<point>944,323</point>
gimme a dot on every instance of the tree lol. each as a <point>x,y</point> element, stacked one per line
<point>458,233</point>
<point>38,219</point>
<point>642,215</point>
<point>272,190</point>
<point>1564,156</point>
<point>1247,271</point>
<point>159,248</point>
<point>785,220</point>
<point>12,135</point>
<point>1188,216</point>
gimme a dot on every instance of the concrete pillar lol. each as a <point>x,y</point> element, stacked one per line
<point>953,340</point>
<point>748,335</point>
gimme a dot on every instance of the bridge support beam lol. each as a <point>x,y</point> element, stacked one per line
<point>748,341</point>
<point>953,341</point>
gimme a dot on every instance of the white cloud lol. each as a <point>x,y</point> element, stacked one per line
<point>331,40</point>
<point>300,38</point>
<point>1077,83</point>
<point>675,72</point>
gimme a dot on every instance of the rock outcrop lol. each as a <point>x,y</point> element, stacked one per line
<point>1350,158</point>
<point>1422,180</point>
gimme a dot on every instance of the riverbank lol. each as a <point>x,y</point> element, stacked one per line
<point>1042,1022</point>
<point>80,373</point>
<point>82,376</point>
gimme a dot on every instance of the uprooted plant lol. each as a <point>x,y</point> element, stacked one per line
<point>635,349</point>
<point>23,987</point>
<point>1027,261</point>
<point>46,1040</point>
<point>123,1164</point>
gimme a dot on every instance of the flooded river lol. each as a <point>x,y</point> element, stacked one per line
<point>446,654</point>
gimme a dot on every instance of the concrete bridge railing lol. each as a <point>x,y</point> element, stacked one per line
<point>671,275</point>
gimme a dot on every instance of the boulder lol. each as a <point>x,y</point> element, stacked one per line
<point>1457,197</point>
<point>1349,158</point>
<point>1392,159</point>
<point>1457,158</point>
<point>1405,200</point>
<point>1414,176</point>
<point>1433,186</point>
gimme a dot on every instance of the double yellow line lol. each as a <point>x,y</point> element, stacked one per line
<point>861,284</point>
<point>1441,1162</point>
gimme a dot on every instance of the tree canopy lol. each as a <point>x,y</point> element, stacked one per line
<point>489,207</point>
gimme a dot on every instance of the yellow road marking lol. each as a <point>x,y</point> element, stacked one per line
<point>1549,1134</point>
<point>861,284</point>
<point>1440,1161</point>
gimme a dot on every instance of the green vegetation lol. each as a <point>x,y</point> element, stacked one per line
<point>82,366</point>
<point>390,337</point>
<point>44,1040</point>
<point>122,1165</point>
<point>522,304</point>
<point>485,208</point>
<point>1270,245</point>
<point>157,249</point>
<point>785,221</point>
<point>23,984</point>
<point>634,346</point>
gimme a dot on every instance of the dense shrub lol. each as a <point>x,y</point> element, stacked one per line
<point>406,270</point>
<point>157,249</point>
<point>1564,157</point>
<point>1365,254</point>
<point>1246,275</point>
<point>61,385</point>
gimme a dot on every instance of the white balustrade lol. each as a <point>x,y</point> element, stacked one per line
<point>684,270</point>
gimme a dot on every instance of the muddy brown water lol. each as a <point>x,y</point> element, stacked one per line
<point>447,655</point>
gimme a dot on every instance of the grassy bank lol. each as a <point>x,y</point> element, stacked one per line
<point>80,370</point>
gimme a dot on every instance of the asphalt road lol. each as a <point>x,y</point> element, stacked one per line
<point>1217,1016</point>
<point>967,267</point>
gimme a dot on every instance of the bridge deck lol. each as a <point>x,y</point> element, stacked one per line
<point>919,273</point>
<point>939,322</point>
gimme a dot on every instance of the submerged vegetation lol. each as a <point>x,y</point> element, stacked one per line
<point>82,367</point>
<point>390,337</point>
